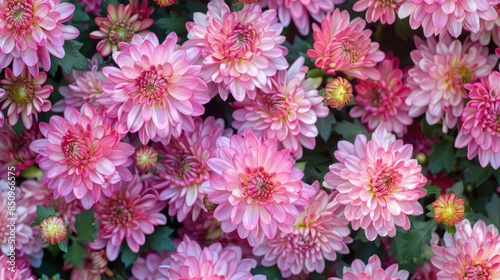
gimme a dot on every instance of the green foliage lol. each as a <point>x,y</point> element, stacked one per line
<point>42,213</point>
<point>442,157</point>
<point>433,190</point>
<point>297,49</point>
<point>160,240</point>
<point>325,126</point>
<point>173,22</point>
<point>86,226</point>
<point>127,256</point>
<point>457,188</point>
<point>349,130</point>
<point>477,175</point>
<point>409,245</point>
<point>72,60</point>
<point>272,273</point>
<point>75,255</point>
<point>493,210</point>
<point>63,246</point>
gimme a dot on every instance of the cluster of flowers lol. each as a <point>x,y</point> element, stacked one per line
<point>133,143</point>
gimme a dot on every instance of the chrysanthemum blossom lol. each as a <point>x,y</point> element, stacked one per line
<point>299,11</point>
<point>19,271</point>
<point>287,112</point>
<point>383,10</point>
<point>256,187</point>
<point>119,25</point>
<point>449,209</point>
<point>165,3</point>
<point>344,45</point>
<point>488,30</point>
<point>129,214</point>
<point>441,17</point>
<point>145,158</point>
<point>142,9</point>
<point>480,122</point>
<point>378,182</point>
<point>319,233</point>
<point>156,89</point>
<point>191,261</point>
<point>372,271</point>
<point>382,102</point>
<point>240,50</point>
<point>147,267</point>
<point>92,6</point>
<point>94,265</point>
<point>15,150</point>
<point>31,31</point>
<point>338,92</point>
<point>82,156</point>
<point>53,230</point>
<point>470,253</point>
<point>183,168</point>
<point>25,96</point>
<point>442,68</point>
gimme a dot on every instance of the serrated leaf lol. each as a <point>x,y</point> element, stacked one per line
<point>86,226</point>
<point>127,256</point>
<point>160,239</point>
<point>477,175</point>
<point>450,229</point>
<point>294,51</point>
<point>457,188</point>
<point>349,130</point>
<point>433,190</point>
<point>42,213</point>
<point>75,255</point>
<point>63,246</point>
<point>442,157</point>
<point>410,243</point>
<point>325,126</point>
<point>173,23</point>
<point>493,210</point>
<point>79,15</point>
<point>73,59</point>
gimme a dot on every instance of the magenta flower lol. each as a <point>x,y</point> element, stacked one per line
<point>31,31</point>
<point>382,102</point>
<point>94,265</point>
<point>478,131</point>
<point>372,270</point>
<point>183,168</point>
<point>22,270</point>
<point>129,214</point>
<point>82,156</point>
<point>92,6</point>
<point>385,10</point>
<point>212,262</point>
<point>345,46</point>
<point>147,267</point>
<point>156,89</point>
<point>442,68</point>
<point>240,50</point>
<point>379,183</point>
<point>287,112</point>
<point>470,253</point>
<point>319,233</point>
<point>25,96</point>
<point>438,17</point>
<point>256,187</point>
<point>15,150</point>
<point>300,10</point>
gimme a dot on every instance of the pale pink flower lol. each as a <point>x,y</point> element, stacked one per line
<point>92,6</point>
<point>81,156</point>
<point>372,271</point>
<point>15,150</point>
<point>84,86</point>
<point>480,122</point>
<point>488,30</point>
<point>240,50</point>
<point>25,96</point>
<point>120,25</point>
<point>319,233</point>
<point>256,187</point>
<point>344,45</point>
<point>31,31</point>
<point>439,17</point>
<point>300,10</point>
<point>147,267</point>
<point>379,183</point>
<point>183,168</point>
<point>156,89</point>
<point>382,102</point>
<point>470,253</point>
<point>213,262</point>
<point>385,10</point>
<point>129,214</point>
<point>287,112</point>
<point>442,67</point>
<point>22,270</point>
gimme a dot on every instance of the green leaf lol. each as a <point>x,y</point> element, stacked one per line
<point>433,190</point>
<point>349,130</point>
<point>442,157</point>
<point>160,240</point>
<point>75,255</point>
<point>63,246</point>
<point>42,213</point>
<point>493,210</point>
<point>477,175</point>
<point>450,229</point>
<point>272,273</point>
<point>298,49</point>
<point>86,226</point>
<point>457,188</point>
<point>403,29</point>
<point>196,7</point>
<point>127,256</point>
<point>325,126</point>
<point>410,244</point>
<point>73,59</point>
<point>300,165</point>
<point>173,23</point>
<point>79,15</point>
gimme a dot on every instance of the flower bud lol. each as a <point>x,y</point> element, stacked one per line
<point>338,93</point>
<point>145,159</point>
<point>165,3</point>
<point>53,230</point>
<point>449,209</point>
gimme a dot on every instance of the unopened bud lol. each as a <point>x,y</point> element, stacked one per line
<point>165,3</point>
<point>53,230</point>
<point>449,209</point>
<point>338,92</point>
<point>145,159</point>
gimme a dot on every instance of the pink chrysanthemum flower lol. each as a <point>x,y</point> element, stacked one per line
<point>287,112</point>
<point>84,86</point>
<point>300,10</point>
<point>129,214</point>
<point>15,150</point>
<point>53,230</point>
<point>439,17</point>
<point>442,67</point>
<point>20,271</point>
<point>142,9</point>
<point>379,183</point>
<point>183,168</point>
<point>480,122</point>
<point>82,156</point>
<point>372,270</point>
<point>31,31</point>
<point>212,262</point>
<point>119,25</point>
<point>345,46</point>
<point>145,159</point>
<point>470,253</point>
<point>488,30</point>
<point>382,102</point>
<point>319,233</point>
<point>385,10</point>
<point>92,6</point>
<point>147,267</point>
<point>94,265</point>
<point>25,96</point>
<point>256,187</point>
<point>426,272</point>
<point>241,50</point>
<point>156,90</point>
